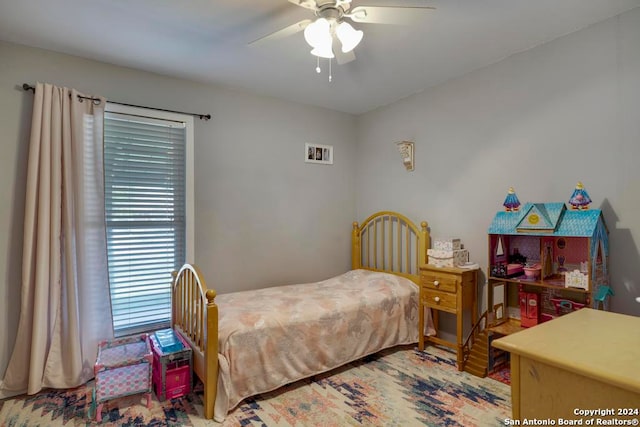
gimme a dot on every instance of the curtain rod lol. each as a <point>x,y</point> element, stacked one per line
<point>28,87</point>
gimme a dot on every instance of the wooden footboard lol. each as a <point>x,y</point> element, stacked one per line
<point>195,316</point>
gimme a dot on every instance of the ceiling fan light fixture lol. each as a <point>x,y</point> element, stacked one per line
<point>324,51</point>
<point>349,37</point>
<point>317,32</point>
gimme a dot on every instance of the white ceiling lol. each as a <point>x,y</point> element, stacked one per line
<point>206,41</point>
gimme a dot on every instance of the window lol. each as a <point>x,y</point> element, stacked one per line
<point>148,157</point>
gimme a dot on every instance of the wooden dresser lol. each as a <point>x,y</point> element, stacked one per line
<point>588,359</point>
<point>452,290</point>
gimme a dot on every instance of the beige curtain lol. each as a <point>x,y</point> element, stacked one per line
<point>65,308</point>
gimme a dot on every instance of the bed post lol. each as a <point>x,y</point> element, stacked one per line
<point>211,356</point>
<point>356,261</point>
<point>174,276</point>
<point>422,249</point>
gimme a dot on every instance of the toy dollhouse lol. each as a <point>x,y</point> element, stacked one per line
<point>545,260</point>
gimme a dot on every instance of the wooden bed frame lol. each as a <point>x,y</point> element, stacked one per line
<point>386,241</point>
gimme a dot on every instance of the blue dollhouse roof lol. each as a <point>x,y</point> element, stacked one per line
<point>551,219</point>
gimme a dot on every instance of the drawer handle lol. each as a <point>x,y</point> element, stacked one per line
<point>436,299</point>
<point>436,283</point>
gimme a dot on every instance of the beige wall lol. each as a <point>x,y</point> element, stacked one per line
<point>539,121</point>
<point>263,216</point>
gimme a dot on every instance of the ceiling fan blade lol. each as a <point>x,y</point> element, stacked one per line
<point>398,15</point>
<point>282,33</point>
<point>307,4</point>
<point>341,57</point>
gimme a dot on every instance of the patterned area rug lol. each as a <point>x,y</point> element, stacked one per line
<point>502,374</point>
<point>396,387</point>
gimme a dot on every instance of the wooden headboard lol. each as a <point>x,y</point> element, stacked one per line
<point>388,241</point>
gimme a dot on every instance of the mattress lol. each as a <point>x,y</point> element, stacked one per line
<point>274,336</point>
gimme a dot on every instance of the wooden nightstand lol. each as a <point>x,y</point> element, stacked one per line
<point>452,290</point>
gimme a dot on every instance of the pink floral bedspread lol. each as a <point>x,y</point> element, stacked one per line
<point>274,336</point>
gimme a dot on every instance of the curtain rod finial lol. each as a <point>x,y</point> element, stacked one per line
<point>27,86</point>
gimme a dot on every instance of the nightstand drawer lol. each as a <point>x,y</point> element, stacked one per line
<point>438,299</point>
<point>439,281</point>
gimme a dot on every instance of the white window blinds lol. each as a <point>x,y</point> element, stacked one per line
<point>145,204</point>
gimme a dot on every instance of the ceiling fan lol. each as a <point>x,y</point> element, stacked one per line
<point>331,35</point>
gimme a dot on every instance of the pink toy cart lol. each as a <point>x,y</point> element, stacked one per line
<point>123,368</point>
<point>172,375</point>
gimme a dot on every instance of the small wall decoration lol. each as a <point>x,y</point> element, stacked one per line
<point>317,153</point>
<point>406,149</point>
<point>561,243</point>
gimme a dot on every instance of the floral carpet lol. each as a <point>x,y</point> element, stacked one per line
<point>502,374</point>
<point>396,387</point>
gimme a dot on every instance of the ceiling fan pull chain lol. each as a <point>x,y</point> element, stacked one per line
<point>318,70</point>
<point>330,76</point>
